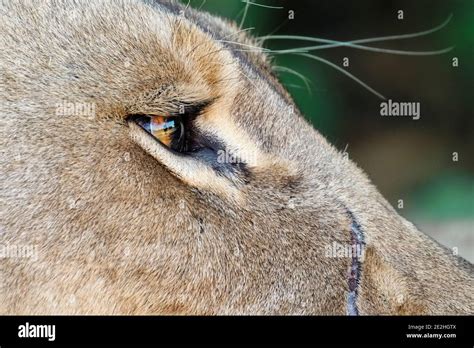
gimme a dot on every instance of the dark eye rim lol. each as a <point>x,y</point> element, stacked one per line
<point>200,146</point>
<point>189,139</point>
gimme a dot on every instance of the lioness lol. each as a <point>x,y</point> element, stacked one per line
<point>155,164</point>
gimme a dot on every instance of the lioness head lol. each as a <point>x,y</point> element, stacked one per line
<point>158,166</point>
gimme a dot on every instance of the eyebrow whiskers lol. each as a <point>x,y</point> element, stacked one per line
<point>355,44</point>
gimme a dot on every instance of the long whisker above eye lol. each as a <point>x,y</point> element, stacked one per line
<point>263,5</point>
<point>247,5</point>
<point>355,43</point>
<point>360,82</point>
<point>237,32</point>
<point>255,51</point>
<point>305,80</point>
<point>225,37</point>
<point>202,4</point>
<point>365,48</point>
<point>246,9</point>
<point>260,49</point>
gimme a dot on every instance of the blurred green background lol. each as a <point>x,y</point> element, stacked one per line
<point>406,159</point>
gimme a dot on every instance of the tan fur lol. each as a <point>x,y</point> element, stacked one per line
<point>123,226</point>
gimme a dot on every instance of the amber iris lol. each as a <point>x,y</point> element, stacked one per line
<point>167,130</point>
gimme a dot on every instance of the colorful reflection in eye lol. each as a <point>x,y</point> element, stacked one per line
<point>168,130</point>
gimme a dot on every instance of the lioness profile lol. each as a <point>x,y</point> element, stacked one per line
<point>155,165</point>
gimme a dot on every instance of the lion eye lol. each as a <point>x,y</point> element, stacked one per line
<point>167,130</point>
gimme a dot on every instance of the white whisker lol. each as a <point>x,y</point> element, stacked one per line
<point>246,9</point>
<point>250,50</point>
<point>355,43</point>
<point>292,85</point>
<point>363,84</point>
<point>262,5</point>
<point>299,75</point>
<point>365,48</point>
<point>260,49</point>
<point>202,4</point>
